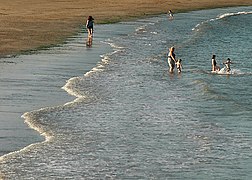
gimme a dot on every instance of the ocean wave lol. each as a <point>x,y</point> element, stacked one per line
<point>68,87</point>
<point>141,29</point>
<point>72,85</point>
<point>233,14</point>
<point>221,16</point>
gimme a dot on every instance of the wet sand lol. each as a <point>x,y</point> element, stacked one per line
<point>35,81</point>
<point>37,24</point>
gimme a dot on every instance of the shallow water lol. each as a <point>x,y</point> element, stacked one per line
<point>134,120</point>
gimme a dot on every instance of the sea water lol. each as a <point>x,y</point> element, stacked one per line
<point>132,119</point>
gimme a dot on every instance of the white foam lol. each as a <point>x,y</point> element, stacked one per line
<point>232,14</point>
<point>231,72</point>
<point>28,120</point>
<point>68,87</point>
<point>141,29</point>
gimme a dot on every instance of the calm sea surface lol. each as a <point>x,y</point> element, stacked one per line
<point>131,119</point>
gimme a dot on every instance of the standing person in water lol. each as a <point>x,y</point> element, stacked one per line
<point>214,64</point>
<point>170,14</point>
<point>227,64</point>
<point>171,59</point>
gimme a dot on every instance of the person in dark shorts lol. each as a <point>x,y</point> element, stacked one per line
<point>90,29</point>
<point>90,25</point>
<point>214,64</point>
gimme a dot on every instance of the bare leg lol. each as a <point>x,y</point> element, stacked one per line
<point>89,41</point>
<point>171,69</point>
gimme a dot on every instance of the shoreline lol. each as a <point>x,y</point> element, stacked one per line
<point>36,84</point>
<point>70,63</point>
<point>12,161</point>
<point>46,24</point>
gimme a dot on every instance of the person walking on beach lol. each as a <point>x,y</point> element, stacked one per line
<point>90,25</point>
<point>90,29</point>
<point>171,59</point>
<point>214,64</point>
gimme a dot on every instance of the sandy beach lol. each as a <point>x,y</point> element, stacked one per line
<point>112,110</point>
<point>36,24</point>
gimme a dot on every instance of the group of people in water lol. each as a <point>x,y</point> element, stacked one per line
<point>216,68</point>
<point>173,62</point>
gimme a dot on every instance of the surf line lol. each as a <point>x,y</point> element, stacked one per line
<point>222,16</point>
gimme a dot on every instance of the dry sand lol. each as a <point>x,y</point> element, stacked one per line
<point>33,24</point>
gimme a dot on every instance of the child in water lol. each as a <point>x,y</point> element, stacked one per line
<point>179,65</point>
<point>227,64</point>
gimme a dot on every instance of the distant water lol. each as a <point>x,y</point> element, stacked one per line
<point>131,119</point>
